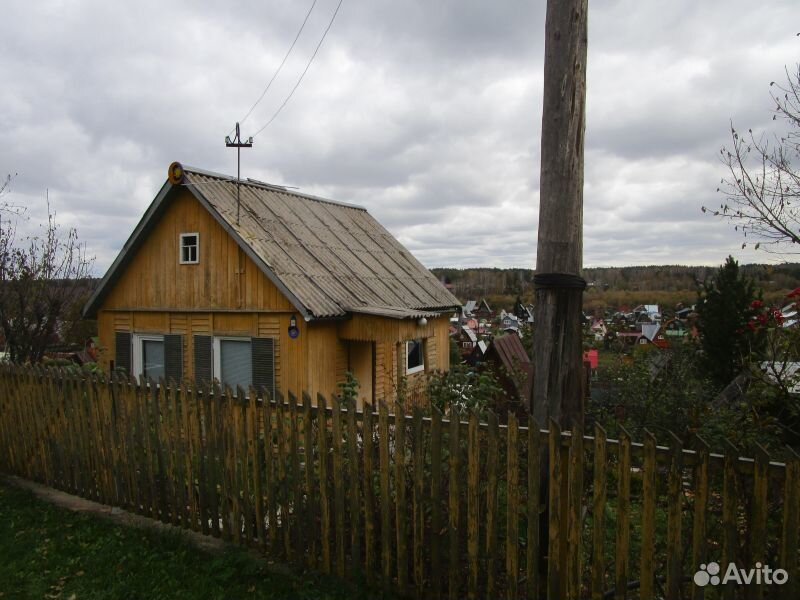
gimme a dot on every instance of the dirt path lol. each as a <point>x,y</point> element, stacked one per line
<point>113,513</point>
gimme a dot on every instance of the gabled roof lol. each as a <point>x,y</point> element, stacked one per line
<point>511,354</point>
<point>469,333</point>
<point>328,258</point>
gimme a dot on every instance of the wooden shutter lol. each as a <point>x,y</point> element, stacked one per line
<point>202,359</point>
<point>173,357</point>
<point>264,364</point>
<point>122,351</point>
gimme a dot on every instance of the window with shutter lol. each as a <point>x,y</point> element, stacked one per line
<point>173,357</point>
<point>264,364</point>
<point>122,351</point>
<point>202,359</point>
<point>149,357</point>
<point>233,362</point>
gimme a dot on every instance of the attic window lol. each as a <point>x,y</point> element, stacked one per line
<point>190,248</point>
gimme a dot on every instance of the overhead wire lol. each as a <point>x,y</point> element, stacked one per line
<point>278,70</point>
<point>303,74</point>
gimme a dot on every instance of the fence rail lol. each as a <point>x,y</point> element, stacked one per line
<point>420,504</point>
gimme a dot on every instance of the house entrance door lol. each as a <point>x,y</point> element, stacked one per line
<point>361,363</point>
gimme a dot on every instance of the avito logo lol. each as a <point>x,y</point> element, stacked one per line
<point>762,574</point>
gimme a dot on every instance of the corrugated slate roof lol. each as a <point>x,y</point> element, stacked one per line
<point>328,258</point>
<point>512,355</point>
<point>511,352</point>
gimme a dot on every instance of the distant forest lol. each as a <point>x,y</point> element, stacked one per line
<point>617,287</point>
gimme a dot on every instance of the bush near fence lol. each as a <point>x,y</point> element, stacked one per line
<point>421,504</point>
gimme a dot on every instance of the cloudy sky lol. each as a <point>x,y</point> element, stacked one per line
<point>428,113</point>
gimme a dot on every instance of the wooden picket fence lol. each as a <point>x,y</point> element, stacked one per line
<point>421,505</point>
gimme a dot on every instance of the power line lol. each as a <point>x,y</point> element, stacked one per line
<point>303,74</point>
<point>283,62</point>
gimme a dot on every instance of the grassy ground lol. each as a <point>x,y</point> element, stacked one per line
<point>51,553</point>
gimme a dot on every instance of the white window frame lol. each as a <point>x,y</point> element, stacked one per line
<point>216,352</point>
<point>181,246</point>
<point>137,363</point>
<point>421,366</point>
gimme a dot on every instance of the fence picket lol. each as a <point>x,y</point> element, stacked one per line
<point>418,514</point>
<point>354,485</point>
<point>437,527</point>
<point>271,483</point>
<point>246,520</point>
<point>338,485</point>
<point>574,520</point>
<point>401,509</point>
<point>758,517</point>
<point>533,512</point>
<point>699,534</point>
<point>453,508</point>
<point>370,557</point>
<point>473,503</point>
<point>311,510</point>
<point>212,404</point>
<point>512,511</point>
<point>386,537</point>
<point>190,451</point>
<point>254,420</point>
<point>674,512</point>
<point>492,508</point>
<point>647,561</point>
<point>622,548</point>
<point>282,488</point>
<point>599,486</point>
<point>232,517</point>
<point>295,480</point>
<point>554,512</point>
<point>791,526</point>
<point>324,496</point>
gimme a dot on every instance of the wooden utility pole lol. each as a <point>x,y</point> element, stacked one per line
<point>558,389</point>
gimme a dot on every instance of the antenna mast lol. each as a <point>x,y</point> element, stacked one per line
<point>237,143</point>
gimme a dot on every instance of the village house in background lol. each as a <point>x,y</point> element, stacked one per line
<point>284,290</point>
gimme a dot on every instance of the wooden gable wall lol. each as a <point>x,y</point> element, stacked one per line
<point>225,278</point>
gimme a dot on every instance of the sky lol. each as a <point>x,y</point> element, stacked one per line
<point>426,113</point>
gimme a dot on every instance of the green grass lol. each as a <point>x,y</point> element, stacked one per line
<point>51,553</point>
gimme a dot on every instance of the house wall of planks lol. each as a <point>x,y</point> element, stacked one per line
<point>227,294</point>
<point>427,506</point>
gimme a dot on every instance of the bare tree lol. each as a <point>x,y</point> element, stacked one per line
<point>42,279</point>
<point>763,189</point>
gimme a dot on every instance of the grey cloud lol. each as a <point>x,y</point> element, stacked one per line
<point>426,113</point>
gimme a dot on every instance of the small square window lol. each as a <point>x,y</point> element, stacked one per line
<point>190,248</point>
<point>415,360</point>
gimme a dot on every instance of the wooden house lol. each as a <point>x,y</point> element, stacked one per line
<point>279,289</point>
<point>483,311</point>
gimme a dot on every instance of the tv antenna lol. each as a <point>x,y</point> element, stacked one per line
<point>237,143</point>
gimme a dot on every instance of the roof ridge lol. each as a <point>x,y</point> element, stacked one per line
<point>270,186</point>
